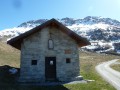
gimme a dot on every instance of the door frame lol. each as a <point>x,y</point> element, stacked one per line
<point>46,68</point>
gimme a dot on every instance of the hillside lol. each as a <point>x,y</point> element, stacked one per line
<point>8,55</point>
<point>103,33</point>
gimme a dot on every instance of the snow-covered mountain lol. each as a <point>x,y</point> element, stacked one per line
<point>97,29</point>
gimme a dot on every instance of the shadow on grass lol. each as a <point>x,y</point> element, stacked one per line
<point>8,81</point>
<point>28,87</point>
<point>6,76</point>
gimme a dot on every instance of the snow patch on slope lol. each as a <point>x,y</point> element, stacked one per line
<point>13,31</point>
<point>88,27</point>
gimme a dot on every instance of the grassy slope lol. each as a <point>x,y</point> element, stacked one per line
<point>116,66</point>
<point>88,63</point>
<point>10,56</point>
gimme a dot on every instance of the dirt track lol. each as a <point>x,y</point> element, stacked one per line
<point>110,75</point>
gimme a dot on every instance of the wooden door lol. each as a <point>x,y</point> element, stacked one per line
<point>50,68</point>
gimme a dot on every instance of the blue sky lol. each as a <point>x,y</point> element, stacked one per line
<point>15,12</point>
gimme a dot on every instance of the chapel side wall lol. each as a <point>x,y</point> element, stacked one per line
<point>66,71</point>
<point>33,49</point>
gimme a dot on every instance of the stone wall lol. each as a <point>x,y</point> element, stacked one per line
<point>35,47</point>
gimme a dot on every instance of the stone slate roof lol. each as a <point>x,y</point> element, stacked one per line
<point>16,42</point>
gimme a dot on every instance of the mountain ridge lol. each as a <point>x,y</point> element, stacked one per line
<point>70,21</point>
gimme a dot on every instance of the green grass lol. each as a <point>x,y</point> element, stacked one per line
<point>116,66</point>
<point>88,61</point>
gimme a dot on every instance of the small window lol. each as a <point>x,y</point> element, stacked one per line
<point>50,44</point>
<point>68,60</point>
<point>34,62</point>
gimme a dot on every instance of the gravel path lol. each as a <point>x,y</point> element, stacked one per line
<point>110,75</point>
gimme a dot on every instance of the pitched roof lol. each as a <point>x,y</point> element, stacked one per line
<point>16,42</point>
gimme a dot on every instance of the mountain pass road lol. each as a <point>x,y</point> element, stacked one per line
<point>110,75</point>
